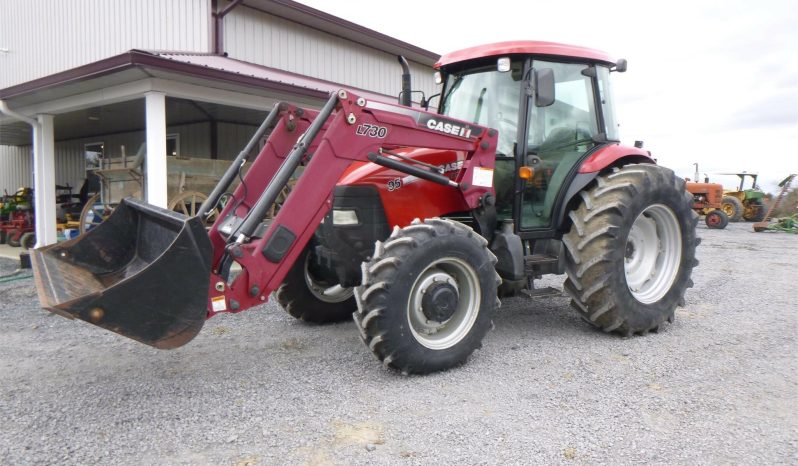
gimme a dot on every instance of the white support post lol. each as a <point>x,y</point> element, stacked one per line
<point>155,177</point>
<point>44,181</point>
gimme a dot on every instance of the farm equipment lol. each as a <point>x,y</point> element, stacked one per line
<point>707,201</point>
<point>412,220</point>
<point>16,219</point>
<point>188,182</point>
<point>787,224</point>
<point>746,204</point>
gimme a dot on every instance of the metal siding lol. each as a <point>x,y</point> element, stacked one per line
<point>264,39</point>
<point>232,138</point>
<point>194,141</point>
<point>16,162</point>
<point>48,36</point>
<point>16,167</point>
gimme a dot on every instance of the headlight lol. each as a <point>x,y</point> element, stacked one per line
<point>345,217</point>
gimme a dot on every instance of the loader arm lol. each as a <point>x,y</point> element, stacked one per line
<point>351,129</point>
<point>155,276</point>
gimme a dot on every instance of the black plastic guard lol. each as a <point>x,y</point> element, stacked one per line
<point>142,273</point>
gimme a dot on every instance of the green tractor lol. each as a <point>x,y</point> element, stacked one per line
<point>745,204</point>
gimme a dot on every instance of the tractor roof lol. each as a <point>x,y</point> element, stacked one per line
<point>525,47</point>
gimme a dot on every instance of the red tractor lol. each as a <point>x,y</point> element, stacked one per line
<point>412,220</point>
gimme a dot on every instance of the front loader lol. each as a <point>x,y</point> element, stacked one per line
<point>413,220</point>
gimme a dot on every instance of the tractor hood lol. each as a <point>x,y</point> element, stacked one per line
<point>406,197</point>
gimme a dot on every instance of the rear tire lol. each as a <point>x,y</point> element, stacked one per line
<point>717,219</point>
<point>755,212</point>
<point>428,296</point>
<point>12,238</point>
<point>27,240</point>
<point>631,249</point>
<point>733,207</point>
<point>311,299</point>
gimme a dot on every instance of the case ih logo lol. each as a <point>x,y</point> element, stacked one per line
<point>451,167</point>
<point>444,125</point>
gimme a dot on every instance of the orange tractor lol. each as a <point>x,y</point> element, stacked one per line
<point>708,201</point>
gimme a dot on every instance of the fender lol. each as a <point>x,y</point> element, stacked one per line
<point>604,157</point>
<point>607,156</point>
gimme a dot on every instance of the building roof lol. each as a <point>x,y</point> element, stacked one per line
<point>207,66</point>
<point>206,70</point>
<point>526,47</point>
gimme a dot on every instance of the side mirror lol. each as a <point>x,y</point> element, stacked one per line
<point>544,87</point>
<point>425,103</point>
<point>620,66</point>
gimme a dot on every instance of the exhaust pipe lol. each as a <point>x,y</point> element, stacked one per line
<point>405,94</point>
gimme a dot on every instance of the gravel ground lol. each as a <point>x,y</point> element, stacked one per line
<point>720,385</point>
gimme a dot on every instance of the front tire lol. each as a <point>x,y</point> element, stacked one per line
<point>733,208</point>
<point>631,249</point>
<point>428,296</point>
<point>716,220</point>
<point>307,297</point>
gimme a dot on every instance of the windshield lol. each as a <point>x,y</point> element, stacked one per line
<point>486,97</point>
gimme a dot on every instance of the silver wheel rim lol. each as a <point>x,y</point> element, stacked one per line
<point>653,253</point>
<point>326,293</point>
<point>442,335</point>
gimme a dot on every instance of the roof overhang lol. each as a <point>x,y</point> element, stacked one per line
<point>209,69</point>
<point>204,77</point>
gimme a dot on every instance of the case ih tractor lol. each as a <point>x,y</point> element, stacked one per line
<point>413,220</point>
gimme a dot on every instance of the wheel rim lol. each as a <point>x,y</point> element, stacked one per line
<point>325,292</point>
<point>653,253</point>
<point>443,335</point>
<point>713,219</point>
<point>729,209</point>
<point>94,213</point>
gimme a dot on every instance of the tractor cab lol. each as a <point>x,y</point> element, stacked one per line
<point>552,105</point>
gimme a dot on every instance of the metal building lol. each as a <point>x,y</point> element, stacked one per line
<point>191,78</point>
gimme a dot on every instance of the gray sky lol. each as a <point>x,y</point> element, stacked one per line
<point>713,82</point>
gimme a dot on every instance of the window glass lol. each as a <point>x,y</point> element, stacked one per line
<point>173,145</point>
<point>573,110</point>
<point>607,107</point>
<point>93,154</point>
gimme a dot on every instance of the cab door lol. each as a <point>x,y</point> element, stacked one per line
<point>558,137</point>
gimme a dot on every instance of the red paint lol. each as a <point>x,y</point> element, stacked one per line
<point>524,47</point>
<point>415,198</point>
<point>610,155</point>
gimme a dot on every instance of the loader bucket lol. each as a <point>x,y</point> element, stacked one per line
<point>142,273</point>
